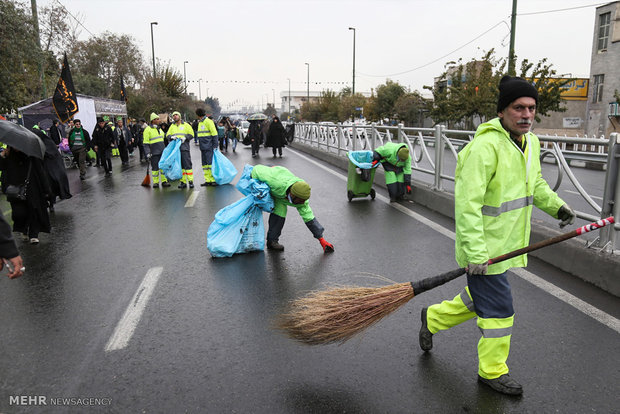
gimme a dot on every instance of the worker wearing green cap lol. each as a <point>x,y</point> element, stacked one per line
<point>153,141</point>
<point>396,162</point>
<point>288,190</point>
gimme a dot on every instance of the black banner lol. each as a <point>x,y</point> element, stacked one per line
<point>64,100</point>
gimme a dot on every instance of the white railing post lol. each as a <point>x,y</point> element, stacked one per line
<point>438,156</point>
<point>611,195</point>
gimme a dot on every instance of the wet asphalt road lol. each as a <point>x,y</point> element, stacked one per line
<point>205,342</point>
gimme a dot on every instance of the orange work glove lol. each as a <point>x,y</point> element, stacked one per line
<point>327,247</point>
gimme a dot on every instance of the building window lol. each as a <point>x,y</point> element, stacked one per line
<point>603,31</point>
<point>598,88</point>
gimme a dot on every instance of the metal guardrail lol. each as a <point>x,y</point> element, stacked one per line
<point>339,139</point>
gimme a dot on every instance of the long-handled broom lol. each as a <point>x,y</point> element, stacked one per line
<point>147,179</point>
<point>336,315</point>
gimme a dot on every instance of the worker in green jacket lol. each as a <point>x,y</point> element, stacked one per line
<point>497,183</point>
<point>288,190</point>
<point>396,162</point>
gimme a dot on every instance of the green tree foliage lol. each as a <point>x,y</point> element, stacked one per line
<point>410,108</point>
<point>387,95</point>
<point>270,110</point>
<point>468,92</point>
<point>108,57</point>
<point>349,104</point>
<point>20,56</point>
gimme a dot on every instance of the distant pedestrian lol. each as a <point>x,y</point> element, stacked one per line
<point>140,139</point>
<point>55,170</point>
<point>255,136</point>
<point>55,133</point>
<point>221,136</point>
<point>122,139</point>
<point>276,136</point>
<point>103,142</point>
<point>79,143</point>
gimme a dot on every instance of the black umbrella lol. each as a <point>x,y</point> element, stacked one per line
<point>21,139</point>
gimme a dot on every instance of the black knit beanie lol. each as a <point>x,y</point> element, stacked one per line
<point>511,89</point>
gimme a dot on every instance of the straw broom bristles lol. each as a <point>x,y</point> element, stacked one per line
<point>336,315</point>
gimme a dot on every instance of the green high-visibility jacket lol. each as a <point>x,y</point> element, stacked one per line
<point>496,185</point>
<point>389,154</point>
<point>153,140</point>
<point>279,179</point>
<point>206,128</point>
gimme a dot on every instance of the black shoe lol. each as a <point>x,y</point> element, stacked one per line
<point>155,185</point>
<point>204,184</point>
<point>82,177</point>
<point>274,245</point>
<point>503,384</point>
<point>191,184</point>
<point>182,186</point>
<point>165,184</point>
<point>426,337</point>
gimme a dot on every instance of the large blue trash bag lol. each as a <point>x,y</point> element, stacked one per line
<point>239,227</point>
<point>170,162</point>
<point>223,170</point>
<point>363,159</point>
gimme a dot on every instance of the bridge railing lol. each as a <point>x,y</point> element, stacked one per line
<point>434,149</point>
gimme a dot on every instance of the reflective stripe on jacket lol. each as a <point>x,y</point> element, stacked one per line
<point>206,128</point>
<point>153,139</point>
<point>179,131</point>
<point>496,185</point>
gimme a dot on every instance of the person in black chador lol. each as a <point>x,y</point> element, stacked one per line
<point>29,216</point>
<point>276,136</point>
<point>103,142</point>
<point>55,169</point>
<point>255,136</point>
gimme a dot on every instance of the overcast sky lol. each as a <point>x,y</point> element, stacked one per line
<point>266,43</point>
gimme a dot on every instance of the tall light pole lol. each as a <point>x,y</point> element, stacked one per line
<point>199,94</point>
<point>153,49</point>
<point>273,91</point>
<point>185,76</point>
<point>353,89</point>
<point>308,94</point>
<point>289,97</point>
<point>513,29</point>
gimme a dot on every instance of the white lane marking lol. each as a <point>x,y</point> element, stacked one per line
<point>192,199</point>
<point>576,192</point>
<point>595,313</point>
<point>128,323</point>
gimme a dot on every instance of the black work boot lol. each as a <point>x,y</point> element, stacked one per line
<point>182,186</point>
<point>191,184</point>
<point>165,184</point>
<point>426,337</point>
<point>503,384</point>
<point>274,245</point>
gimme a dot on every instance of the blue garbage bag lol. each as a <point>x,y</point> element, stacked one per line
<point>362,159</point>
<point>239,227</point>
<point>223,170</point>
<point>170,162</point>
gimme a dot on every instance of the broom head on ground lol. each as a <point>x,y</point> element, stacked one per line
<point>147,179</point>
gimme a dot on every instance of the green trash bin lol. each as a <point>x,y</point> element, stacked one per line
<point>360,176</point>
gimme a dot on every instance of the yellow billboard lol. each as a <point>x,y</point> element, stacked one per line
<point>575,90</point>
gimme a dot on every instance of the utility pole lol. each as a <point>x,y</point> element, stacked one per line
<point>153,49</point>
<point>289,97</point>
<point>513,28</point>
<point>35,22</point>
<point>185,77</point>
<point>308,95</point>
<point>353,89</point>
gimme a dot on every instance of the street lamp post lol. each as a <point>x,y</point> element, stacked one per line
<point>289,97</point>
<point>353,88</point>
<point>273,91</point>
<point>153,48</point>
<point>199,93</point>
<point>308,93</point>
<point>185,76</point>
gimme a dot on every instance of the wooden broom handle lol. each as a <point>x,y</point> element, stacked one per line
<point>434,281</point>
<point>544,243</point>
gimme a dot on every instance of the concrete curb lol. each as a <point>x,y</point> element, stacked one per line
<point>570,256</point>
